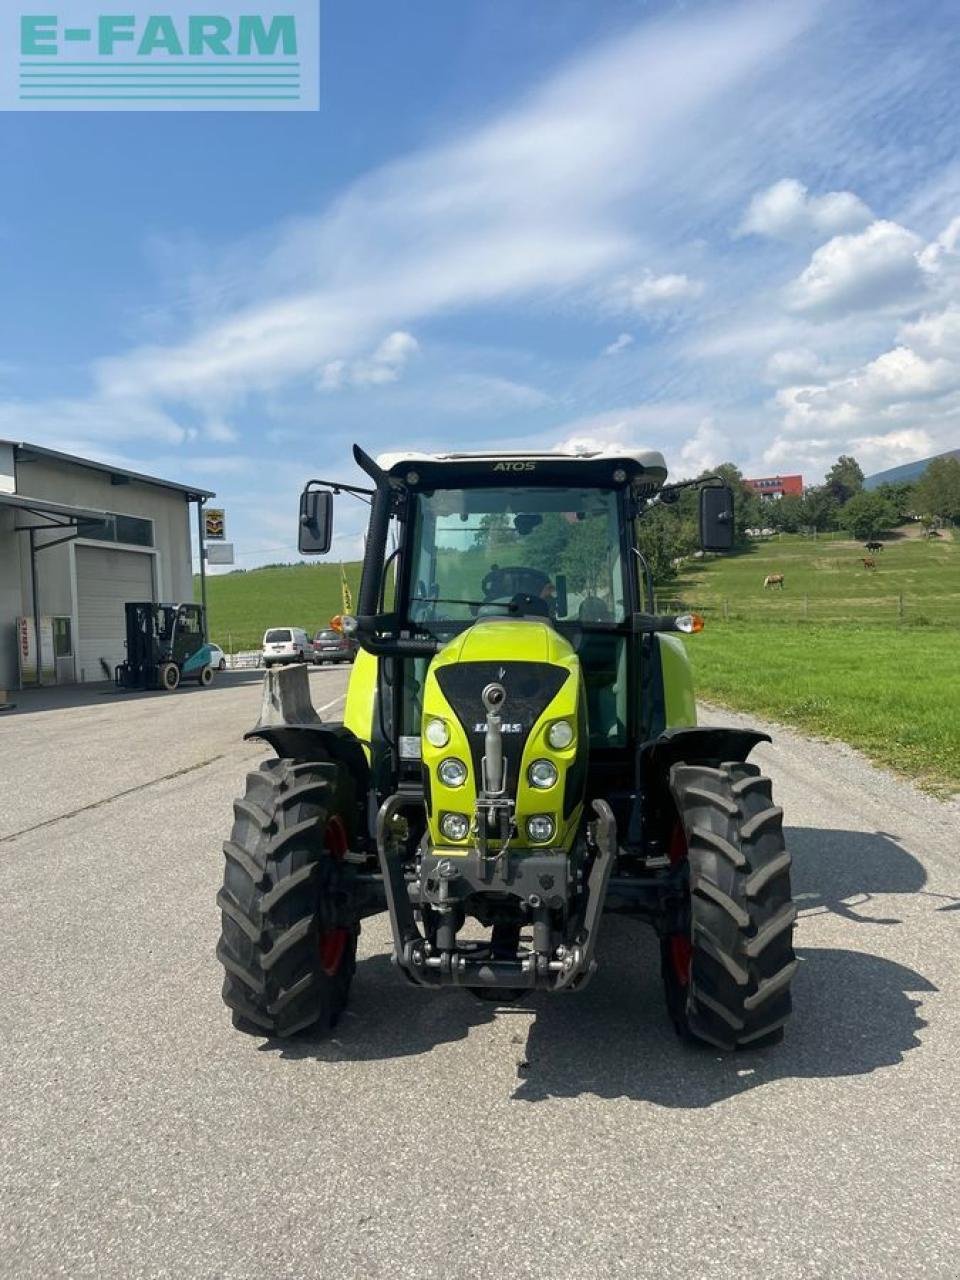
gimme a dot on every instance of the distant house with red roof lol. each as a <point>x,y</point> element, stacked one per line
<point>776,487</point>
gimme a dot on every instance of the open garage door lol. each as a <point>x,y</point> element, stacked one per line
<point>106,580</point>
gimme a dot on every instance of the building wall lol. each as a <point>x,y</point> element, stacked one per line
<point>777,486</point>
<point>80,486</point>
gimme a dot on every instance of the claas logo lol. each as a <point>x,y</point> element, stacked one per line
<point>213,524</point>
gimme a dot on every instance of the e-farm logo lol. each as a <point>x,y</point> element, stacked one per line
<point>233,55</point>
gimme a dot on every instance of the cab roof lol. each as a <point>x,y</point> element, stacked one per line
<point>607,466</point>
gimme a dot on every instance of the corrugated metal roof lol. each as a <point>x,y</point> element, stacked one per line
<point>41,451</point>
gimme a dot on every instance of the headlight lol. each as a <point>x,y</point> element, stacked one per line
<point>542,773</point>
<point>453,773</point>
<point>437,733</point>
<point>540,828</point>
<point>560,734</point>
<point>455,826</point>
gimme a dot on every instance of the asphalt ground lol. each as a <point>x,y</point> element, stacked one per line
<point>436,1136</point>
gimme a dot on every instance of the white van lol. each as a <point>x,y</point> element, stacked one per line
<point>286,644</point>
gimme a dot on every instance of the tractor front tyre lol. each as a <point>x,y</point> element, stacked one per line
<point>727,971</point>
<point>169,676</point>
<point>205,679</point>
<point>289,935</point>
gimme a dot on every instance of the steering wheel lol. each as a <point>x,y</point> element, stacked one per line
<point>508,580</point>
<point>525,603</point>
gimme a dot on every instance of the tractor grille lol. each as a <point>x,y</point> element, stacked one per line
<point>530,687</point>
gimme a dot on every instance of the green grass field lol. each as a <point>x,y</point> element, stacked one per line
<point>241,606</point>
<point>915,581</point>
<point>894,692</point>
<point>871,657</point>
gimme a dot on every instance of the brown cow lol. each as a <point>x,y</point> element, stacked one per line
<point>868,562</point>
<point>773,580</point>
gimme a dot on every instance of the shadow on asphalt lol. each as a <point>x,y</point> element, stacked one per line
<point>840,871</point>
<point>853,1011</point>
<point>63,697</point>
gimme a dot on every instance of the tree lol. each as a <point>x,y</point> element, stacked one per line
<point>818,509</point>
<point>786,515</point>
<point>844,479</point>
<point>867,514</point>
<point>585,558</point>
<point>938,489</point>
<point>901,495</point>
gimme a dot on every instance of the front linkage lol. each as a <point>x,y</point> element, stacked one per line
<point>542,886</point>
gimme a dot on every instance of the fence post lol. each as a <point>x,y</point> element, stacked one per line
<point>900,605</point>
<point>726,611</point>
<point>806,606</point>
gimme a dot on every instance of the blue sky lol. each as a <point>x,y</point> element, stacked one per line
<point>722,230</point>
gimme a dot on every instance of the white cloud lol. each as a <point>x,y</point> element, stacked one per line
<point>619,344</point>
<point>385,365</point>
<point>534,202</point>
<point>469,393</point>
<point>706,448</point>
<point>794,365</point>
<point>650,291</point>
<point>220,431</point>
<point>875,268</point>
<point>786,211</point>
<point>936,333</point>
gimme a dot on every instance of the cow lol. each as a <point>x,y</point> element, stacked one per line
<point>868,562</point>
<point>773,580</point>
<point>874,546</point>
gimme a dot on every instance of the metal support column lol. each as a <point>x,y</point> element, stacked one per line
<point>203,566</point>
<point>36,598</point>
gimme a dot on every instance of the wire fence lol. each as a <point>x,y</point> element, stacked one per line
<point>777,606</point>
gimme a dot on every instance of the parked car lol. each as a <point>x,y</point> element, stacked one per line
<point>286,644</point>
<point>218,659</point>
<point>333,646</point>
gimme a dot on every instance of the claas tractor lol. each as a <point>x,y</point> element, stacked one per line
<point>519,755</point>
<point>166,643</point>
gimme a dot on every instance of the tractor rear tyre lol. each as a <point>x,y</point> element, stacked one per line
<point>727,972</point>
<point>289,936</point>
<point>169,676</point>
<point>206,678</point>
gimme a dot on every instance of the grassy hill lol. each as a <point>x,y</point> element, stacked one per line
<point>871,657</point>
<point>241,606</point>
<point>915,580</point>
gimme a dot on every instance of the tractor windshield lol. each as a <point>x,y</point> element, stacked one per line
<point>534,551</point>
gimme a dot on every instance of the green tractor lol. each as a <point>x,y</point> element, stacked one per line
<point>519,754</point>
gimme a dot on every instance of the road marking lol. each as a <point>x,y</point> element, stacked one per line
<point>97,804</point>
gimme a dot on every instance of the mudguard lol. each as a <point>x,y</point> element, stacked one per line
<point>290,724</point>
<point>698,744</point>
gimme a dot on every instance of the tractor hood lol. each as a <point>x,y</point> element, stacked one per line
<point>489,639</point>
<point>539,675</point>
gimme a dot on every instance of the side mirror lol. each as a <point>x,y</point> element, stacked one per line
<point>716,519</point>
<point>316,522</point>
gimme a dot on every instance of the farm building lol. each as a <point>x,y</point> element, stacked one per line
<point>78,539</point>
<point>775,487</point>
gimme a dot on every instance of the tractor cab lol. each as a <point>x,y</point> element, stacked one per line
<point>547,538</point>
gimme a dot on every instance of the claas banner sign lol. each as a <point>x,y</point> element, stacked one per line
<point>214,523</point>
